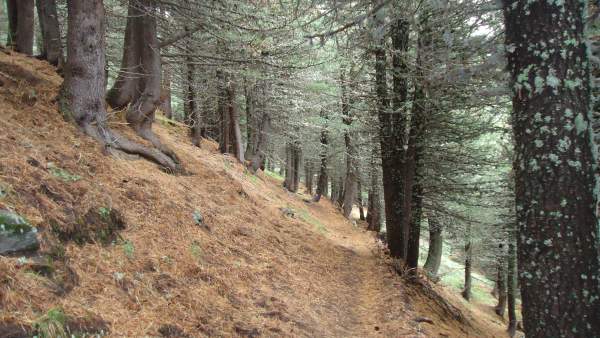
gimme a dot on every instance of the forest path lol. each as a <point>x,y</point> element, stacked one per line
<point>368,297</point>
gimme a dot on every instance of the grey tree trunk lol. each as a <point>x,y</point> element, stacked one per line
<point>234,121</point>
<point>165,93</point>
<point>21,25</point>
<point>466,293</point>
<point>359,201</point>
<point>501,282</point>
<point>322,182</point>
<point>436,243</point>
<point>511,284</point>
<point>50,28</point>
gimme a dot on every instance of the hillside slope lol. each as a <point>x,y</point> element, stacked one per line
<point>247,269</point>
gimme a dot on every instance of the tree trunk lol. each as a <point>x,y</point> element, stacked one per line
<point>374,209</point>
<point>165,94</point>
<point>322,181</point>
<point>81,99</point>
<point>292,173</point>
<point>392,129</point>
<point>50,28</point>
<point>251,123</point>
<point>555,187</point>
<point>262,141</point>
<point>359,200</point>
<point>308,173</point>
<point>190,106</point>
<point>234,120</point>
<point>225,138</point>
<point>468,258</point>
<point>11,12</point>
<point>142,92</point>
<point>21,25</point>
<point>436,242</point>
<point>501,282</point>
<point>511,287</point>
<point>413,163</point>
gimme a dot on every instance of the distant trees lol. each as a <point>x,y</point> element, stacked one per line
<point>555,187</point>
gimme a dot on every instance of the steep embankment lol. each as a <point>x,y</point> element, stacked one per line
<point>246,269</point>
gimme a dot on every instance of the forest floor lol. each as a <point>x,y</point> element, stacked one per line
<point>262,262</point>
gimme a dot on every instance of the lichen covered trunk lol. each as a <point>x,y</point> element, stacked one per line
<point>555,186</point>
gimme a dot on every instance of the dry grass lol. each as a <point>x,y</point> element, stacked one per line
<point>251,272</point>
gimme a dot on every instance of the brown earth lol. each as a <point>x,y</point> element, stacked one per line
<point>248,271</point>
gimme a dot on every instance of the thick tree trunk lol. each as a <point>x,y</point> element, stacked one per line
<point>322,183</point>
<point>501,282</point>
<point>436,243</point>
<point>555,187</point>
<point>50,28</point>
<point>392,129</point>
<point>466,293</point>
<point>81,99</point>
<point>413,163</point>
<point>21,25</point>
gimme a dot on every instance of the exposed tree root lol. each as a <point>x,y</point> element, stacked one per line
<point>114,141</point>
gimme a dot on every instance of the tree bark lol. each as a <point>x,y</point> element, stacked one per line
<point>351,178</point>
<point>466,293</point>
<point>21,25</point>
<point>501,282</point>
<point>413,162</point>
<point>511,287</point>
<point>251,123</point>
<point>436,242</point>
<point>234,121</point>
<point>165,93</point>
<point>392,128</point>
<point>322,183</point>
<point>292,173</point>
<point>11,12</point>
<point>50,28</point>
<point>308,173</point>
<point>555,187</point>
<point>359,200</point>
<point>374,208</point>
